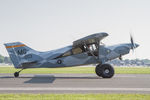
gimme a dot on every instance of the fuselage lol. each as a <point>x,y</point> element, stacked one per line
<point>69,56</point>
<point>84,51</point>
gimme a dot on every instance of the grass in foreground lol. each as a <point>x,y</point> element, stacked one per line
<point>118,70</point>
<point>74,96</point>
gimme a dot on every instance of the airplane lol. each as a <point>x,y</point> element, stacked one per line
<point>84,51</point>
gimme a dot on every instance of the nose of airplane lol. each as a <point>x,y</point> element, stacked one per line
<point>136,45</point>
<point>130,45</point>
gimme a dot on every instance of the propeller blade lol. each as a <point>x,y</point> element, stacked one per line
<point>132,42</point>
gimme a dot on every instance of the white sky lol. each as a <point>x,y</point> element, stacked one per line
<point>50,24</point>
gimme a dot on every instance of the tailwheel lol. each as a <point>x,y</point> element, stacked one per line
<point>16,74</point>
<point>104,70</point>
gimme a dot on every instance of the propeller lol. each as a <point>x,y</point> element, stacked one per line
<point>132,42</point>
<point>133,45</point>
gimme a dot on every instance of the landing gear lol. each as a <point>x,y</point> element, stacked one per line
<point>104,70</point>
<point>16,74</point>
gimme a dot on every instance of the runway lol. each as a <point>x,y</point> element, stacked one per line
<point>74,83</point>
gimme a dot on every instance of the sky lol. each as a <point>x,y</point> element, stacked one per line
<point>51,24</point>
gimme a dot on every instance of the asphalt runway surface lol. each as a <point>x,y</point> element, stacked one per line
<point>74,83</point>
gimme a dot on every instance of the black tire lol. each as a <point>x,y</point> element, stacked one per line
<point>105,71</point>
<point>98,70</point>
<point>16,74</point>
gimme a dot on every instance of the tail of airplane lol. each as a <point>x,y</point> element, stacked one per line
<point>18,53</point>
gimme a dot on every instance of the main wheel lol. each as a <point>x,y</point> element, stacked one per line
<point>16,74</point>
<point>105,70</point>
<point>98,70</point>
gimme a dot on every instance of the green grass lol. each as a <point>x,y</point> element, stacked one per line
<point>118,70</point>
<point>74,96</point>
<point>133,70</point>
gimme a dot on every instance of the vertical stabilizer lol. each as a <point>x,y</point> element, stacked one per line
<point>17,51</point>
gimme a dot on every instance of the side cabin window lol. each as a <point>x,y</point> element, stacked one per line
<point>76,50</point>
<point>79,50</point>
<point>67,54</point>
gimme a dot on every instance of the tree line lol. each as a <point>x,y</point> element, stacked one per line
<point>5,60</point>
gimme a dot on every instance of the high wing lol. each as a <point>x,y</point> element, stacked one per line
<point>91,39</point>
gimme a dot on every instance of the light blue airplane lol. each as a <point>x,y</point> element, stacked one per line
<point>87,50</point>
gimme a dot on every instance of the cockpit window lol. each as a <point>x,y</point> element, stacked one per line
<point>92,47</point>
<point>76,51</point>
<point>66,54</point>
